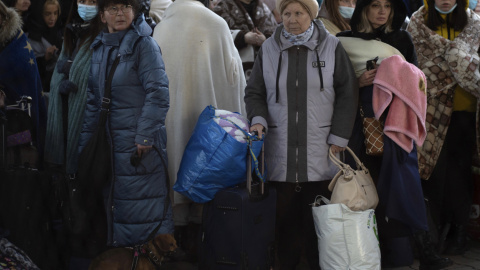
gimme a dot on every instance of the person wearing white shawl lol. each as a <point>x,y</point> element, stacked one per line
<point>204,68</point>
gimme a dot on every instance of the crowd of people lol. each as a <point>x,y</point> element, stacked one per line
<point>295,68</point>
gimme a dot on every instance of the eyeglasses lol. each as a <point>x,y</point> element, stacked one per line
<point>114,10</point>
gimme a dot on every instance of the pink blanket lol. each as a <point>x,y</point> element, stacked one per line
<point>402,86</point>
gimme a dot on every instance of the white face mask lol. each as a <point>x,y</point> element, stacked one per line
<point>87,12</point>
<point>472,4</point>
<point>445,12</point>
<point>346,12</point>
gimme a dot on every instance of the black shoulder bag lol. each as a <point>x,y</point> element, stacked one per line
<point>94,169</point>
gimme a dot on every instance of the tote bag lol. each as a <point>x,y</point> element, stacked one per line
<point>346,239</point>
<point>214,160</point>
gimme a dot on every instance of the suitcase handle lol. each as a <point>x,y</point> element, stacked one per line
<point>259,168</point>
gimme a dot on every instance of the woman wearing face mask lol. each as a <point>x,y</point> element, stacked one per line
<point>474,5</point>
<point>375,32</point>
<point>336,15</point>
<point>448,33</point>
<point>68,90</point>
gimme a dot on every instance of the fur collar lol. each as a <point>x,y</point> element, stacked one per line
<point>10,26</point>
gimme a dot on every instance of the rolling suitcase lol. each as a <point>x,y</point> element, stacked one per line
<point>25,192</point>
<point>238,226</point>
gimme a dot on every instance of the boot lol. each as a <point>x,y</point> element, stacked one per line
<point>428,256</point>
<point>191,242</point>
<point>179,255</point>
<point>458,242</point>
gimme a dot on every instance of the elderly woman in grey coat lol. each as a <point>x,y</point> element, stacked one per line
<point>303,94</point>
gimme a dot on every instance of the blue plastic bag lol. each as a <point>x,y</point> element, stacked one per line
<point>213,160</point>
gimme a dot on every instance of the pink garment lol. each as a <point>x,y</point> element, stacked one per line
<point>402,86</point>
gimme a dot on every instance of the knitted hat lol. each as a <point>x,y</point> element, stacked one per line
<point>310,5</point>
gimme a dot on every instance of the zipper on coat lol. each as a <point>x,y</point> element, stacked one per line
<point>297,186</point>
<point>110,200</point>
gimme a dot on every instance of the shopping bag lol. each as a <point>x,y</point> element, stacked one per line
<point>346,239</point>
<point>214,160</point>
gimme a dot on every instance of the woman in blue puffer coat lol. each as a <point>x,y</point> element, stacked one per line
<point>136,122</point>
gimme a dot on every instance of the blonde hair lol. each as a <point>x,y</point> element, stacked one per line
<point>366,27</point>
<point>53,2</point>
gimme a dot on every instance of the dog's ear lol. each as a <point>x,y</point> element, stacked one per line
<point>166,242</point>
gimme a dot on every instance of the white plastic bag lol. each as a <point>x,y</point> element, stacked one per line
<point>346,239</point>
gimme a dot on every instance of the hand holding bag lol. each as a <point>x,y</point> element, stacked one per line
<point>373,132</point>
<point>354,188</point>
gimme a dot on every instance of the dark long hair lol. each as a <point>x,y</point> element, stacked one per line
<point>456,20</point>
<point>71,38</point>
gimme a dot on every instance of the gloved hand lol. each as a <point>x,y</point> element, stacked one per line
<point>64,65</point>
<point>66,87</point>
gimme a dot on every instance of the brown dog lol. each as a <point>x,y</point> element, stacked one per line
<point>150,255</point>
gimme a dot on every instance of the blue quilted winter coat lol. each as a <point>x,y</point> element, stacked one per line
<point>139,105</point>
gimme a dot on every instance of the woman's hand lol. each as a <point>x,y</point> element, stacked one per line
<point>142,149</point>
<point>50,52</point>
<point>367,78</point>
<point>337,149</point>
<point>258,128</point>
<point>260,37</point>
<point>254,37</point>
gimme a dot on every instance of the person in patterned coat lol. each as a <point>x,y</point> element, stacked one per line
<point>251,23</point>
<point>446,35</point>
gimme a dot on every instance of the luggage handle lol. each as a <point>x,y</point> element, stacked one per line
<point>259,168</point>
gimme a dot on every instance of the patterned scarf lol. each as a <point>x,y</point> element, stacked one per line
<point>299,39</point>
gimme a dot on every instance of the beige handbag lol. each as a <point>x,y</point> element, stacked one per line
<point>354,188</point>
<point>373,131</point>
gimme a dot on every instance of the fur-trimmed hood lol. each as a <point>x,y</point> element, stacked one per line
<point>11,24</point>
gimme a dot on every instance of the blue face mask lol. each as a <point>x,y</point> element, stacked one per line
<point>472,4</point>
<point>445,12</point>
<point>87,12</point>
<point>319,3</point>
<point>346,12</point>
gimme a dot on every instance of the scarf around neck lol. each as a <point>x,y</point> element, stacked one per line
<point>298,39</point>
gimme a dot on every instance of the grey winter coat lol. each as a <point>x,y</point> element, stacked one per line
<point>305,109</point>
<point>138,108</point>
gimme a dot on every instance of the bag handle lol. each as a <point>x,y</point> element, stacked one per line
<point>250,138</point>
<point>318,201</point>
<point>345,169</point>
<point>342,165</point>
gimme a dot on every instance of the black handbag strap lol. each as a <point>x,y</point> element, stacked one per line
<point>108,85</point>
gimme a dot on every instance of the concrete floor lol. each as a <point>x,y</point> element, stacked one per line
<point>470,260</point>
